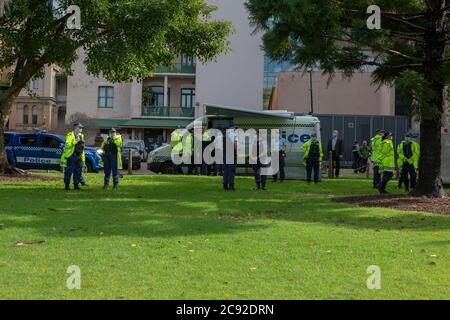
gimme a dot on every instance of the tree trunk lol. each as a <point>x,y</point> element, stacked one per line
<point>430,178</point>
<point>5,167</point>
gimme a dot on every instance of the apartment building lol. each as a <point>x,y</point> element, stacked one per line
<point>150,110</point>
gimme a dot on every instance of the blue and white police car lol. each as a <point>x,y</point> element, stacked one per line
<point>40,150</point>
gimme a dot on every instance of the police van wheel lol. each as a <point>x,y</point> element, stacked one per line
<point>167,168</point>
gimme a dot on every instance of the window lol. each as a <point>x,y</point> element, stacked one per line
<point>34,115</point>
<point>35,84</point>
<point>187,98</point>
<point>106,97</point>
<point>187,61</point>
<point>28,141</point>
<point>26,111</point>
<point>157,96</point>
<point>50,142</point>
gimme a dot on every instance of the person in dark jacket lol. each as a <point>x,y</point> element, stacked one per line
<point>364,154</point>
<point>336,147</point>
<point>356,157</point>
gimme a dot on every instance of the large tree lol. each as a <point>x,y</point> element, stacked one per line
<point>410,49</point>
<point>122,40</point>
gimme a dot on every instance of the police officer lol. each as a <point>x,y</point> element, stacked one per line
<point>112,158</point>
<point>176,141</point>
<point>387,161</point>
<point>261,153</point>
<point>73,158</point>
<point>282,147</point>
<point>408,161</point>
<point>312,156</point>
<point>375,158</point>
<point>229,167</point>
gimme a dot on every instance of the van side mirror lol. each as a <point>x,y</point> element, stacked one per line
<point>61,145</point>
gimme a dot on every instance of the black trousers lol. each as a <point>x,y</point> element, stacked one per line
<point>356,163</point>
<point>387,176</point>
<point>336,164</point>
<point>313,164</point>
<point>281,173</point>
<point>376,176</point>
<point>260,180</point>
<point>408,171</point>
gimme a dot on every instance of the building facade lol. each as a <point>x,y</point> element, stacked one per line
<point>150,110</point>
<point>42,105</point>
<point>355,96</point>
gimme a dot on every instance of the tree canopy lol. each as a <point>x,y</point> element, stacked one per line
<point>118,40</point>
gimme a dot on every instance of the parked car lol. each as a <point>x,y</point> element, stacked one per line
<point>139,145</point>
<point>40,150</point>
<point>136,162</point>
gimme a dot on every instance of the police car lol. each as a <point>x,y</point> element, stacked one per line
<point>40,150</point>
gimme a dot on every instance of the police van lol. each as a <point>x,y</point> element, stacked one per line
<point>40,150</point>
<point>295,129</point>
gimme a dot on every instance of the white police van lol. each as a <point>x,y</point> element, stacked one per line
<point>295,129</point>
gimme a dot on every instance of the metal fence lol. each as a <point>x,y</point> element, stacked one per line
<point>359,128</point>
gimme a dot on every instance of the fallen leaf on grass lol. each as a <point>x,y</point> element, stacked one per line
<point>27,244</point>
<point>310,244</point>
<point>253,269</point>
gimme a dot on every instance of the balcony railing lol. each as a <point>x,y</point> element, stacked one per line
<point>178,68</point>
<point>167,112</point>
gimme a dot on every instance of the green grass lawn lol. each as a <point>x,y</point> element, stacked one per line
<point>168,237</point>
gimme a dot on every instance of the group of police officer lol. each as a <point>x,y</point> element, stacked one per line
<point>383,160</point>
<point>73,159</point>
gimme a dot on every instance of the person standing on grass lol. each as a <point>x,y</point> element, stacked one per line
<point>408,160</point>
<point>356,157</point>
<point>312,157</point>
<point>73,159</point>
<point>176,141</point>
<point>336,147</point>
<point>282,147</point>
<point>364,154</point>
<point>229,167</point>
<point>375,157</point>
<point>387,161</point>
<point>112,158</point>
<point>261,152</point>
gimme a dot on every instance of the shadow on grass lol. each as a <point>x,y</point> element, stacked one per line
<point>172,207</point>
